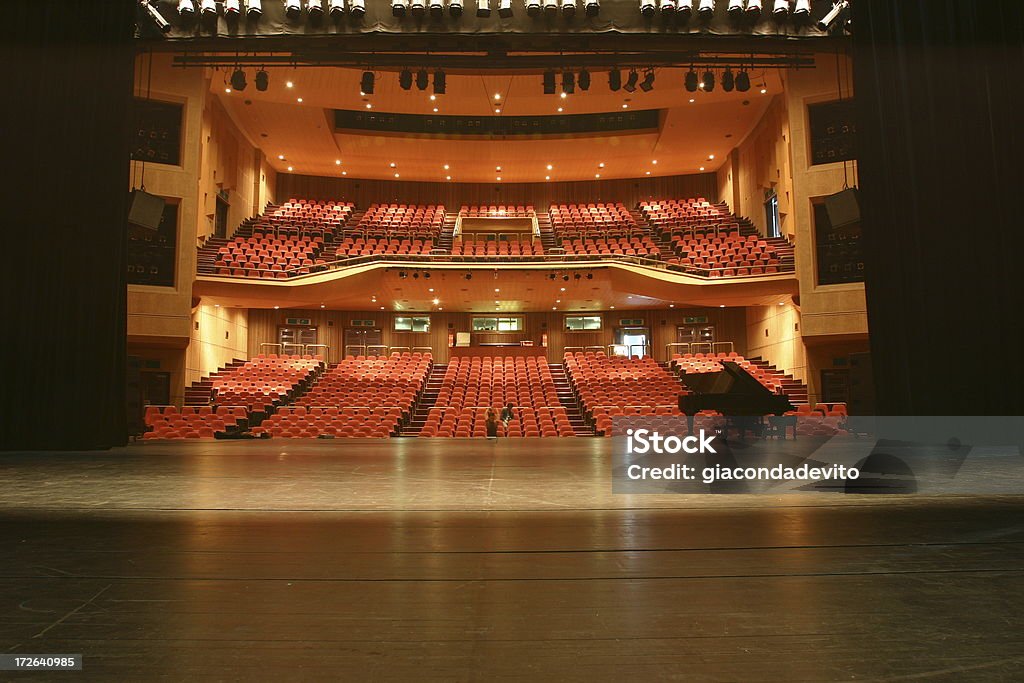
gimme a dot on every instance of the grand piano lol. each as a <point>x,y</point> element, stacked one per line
<point>743,400</point>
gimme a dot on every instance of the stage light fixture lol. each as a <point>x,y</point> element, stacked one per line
<point>399,7</point>
<point>668,7</point>
<point>436,8</point>
<point>505,9</point>
<point>483,8</point>
<point>366,83</point>
<point>684,8</point>
<point>614,80</point>
<point>154,15</point>
<point>590,276</point>
<point>565,278</point>
<point>827,21</point>
<point>262,80</point>
<point>592,7</point>
<point>577,276</point>
<point>232,9</point>
<point>550,7</point>
<point>253,8</point>
<point>706,9</point>
<point>357,8</point>
<point>549,82</point>
<point>439,82</point>
<point>781,9</point>
<point>630,85</point>
<point>647,85</point>
<point>402,275</point>
<point>742,81</point>
<point>735,9</point>
<point>315,10</point>
<point>337,9</point>
<point>583,80</point>
<point>238,81</point>
<point>754,9</point>
<point>647,8</point>
<point>707,83</point>
<point>455,8</point>
<point>186,8</point>
<point>533,8</point>
<point>405,79</point>
<point>568,8</point>
<point>802,11</point>
<point>422,79</point>
<point>469,276</point>
<point>728,80</point>
<point>691,80</point>
<point>293,9</point>
<point>568,82</point>
<point>418,8</point>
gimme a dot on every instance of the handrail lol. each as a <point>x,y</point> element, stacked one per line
<point>355,346</point>
<point>614,348</point>
<point>421,349</point>
<point>729,344</point>
<point>376,346</point>
<point>668,349</point>
<point>694,346</point>
<point>401,348</point>
<point>302,347</point>
<point>327,351</point>
<point>278,346</point>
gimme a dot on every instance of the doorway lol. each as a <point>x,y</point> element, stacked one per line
<point>632,341</point>
<point>294,338</point>
<point>364,342</point>
<point>155,388</point>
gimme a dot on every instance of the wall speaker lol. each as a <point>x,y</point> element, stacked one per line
<point>843,208</point>
<point>146,210</point>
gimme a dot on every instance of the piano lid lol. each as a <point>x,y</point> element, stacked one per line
<point>732,380</point>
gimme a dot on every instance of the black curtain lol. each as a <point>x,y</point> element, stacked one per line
<point>939,105</point>
<point>66,121</point>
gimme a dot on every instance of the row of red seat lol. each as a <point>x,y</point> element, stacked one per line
<point>167,422</point>
<point>502,210</point>
<point>527,421</point>
<point>467,247</point>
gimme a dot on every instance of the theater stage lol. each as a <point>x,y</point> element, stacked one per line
<point>469,560</point>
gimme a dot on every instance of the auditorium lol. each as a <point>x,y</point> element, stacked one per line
<point>331,321</point>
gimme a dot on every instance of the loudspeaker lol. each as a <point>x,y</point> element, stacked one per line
<point>843,208</point>
<point>146,210</point>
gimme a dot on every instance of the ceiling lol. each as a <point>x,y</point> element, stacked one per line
<point>695,135</point>
<point>507,290</point>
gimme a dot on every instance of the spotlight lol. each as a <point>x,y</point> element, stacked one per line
<point>483,8</point>
<point>399,7</point>
<point>827,21</point>
<point>614,80</point>
<point>583,80</point>
<point>208,8</point>
<point>647,8</point>
<point>314,8</point>
<point>684,8</point>
<point>802,11</point>
<point>576,276</point>
<point>708,82</point>
<point>551,276</point>
<point>293,9</point>
<point>505,9</point>
<point>418,8</point>
<point>187,9</point>
<point>743,81</point>
<point>532,8</point>
<point>565,278</point>
<point>568,82</point>
<point>422,79</point>
<point>415,276</point>
<point>754,9</point>
<point>549,82</point>
<point>439,82</point>
<point>735,9</point>
<point>455,8</point>
<point>550,7</point>
<point>647,85</point>
<point>337,9</point>
<point>590,276</point>
<point>238,80</point>
<point>706,9</point>
<point>366,83</point>
<point>691,80</point>
<point>262,80</point>
<point>631,81</point>
<point>402,274</point>
<point>728,80</point>
<point>232,9</point>
<point>469,276</point>
<point>436,8</point>
<point>154,15</point>
<point>568,8</point>
<point>668,7</point>
<point>426,275</point>
<point>253,9</point>
<point>405,79</point>
<point>592,7</point>
<point>781,10</point>
<point>357,8</point>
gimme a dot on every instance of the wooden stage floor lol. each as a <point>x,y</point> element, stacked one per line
<point>472,561</point>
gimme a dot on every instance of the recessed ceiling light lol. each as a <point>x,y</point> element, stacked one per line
<point>764,90</point>
<point>497,111</point>
<point>499,177</point>
<point>289,84</point>
<point>435,110</point>
<point>369,106</point>
<point>564,95</point>
<point>433,98</point>
<point>497,168</point>
<point>218,305</point>
<point>702,168</point>
<point>654,161</point>
<point>299,100</point>
<point>611,307</point>
<point>671,305</point>
<point>362,94</point>
<point>436,301</point>
<point>431,289</point>
<point>711,156</point>
<point>648,173</point>
<point>382,308</point>
<point>396,175</point>
<point>497,95</point>
<point>782,303</point>
<point>558,301</point>
<point>344,173</point>
<point>625,106</point>
<point>227,89</point>
<point>560,109</point>
<point>597,175</point>
<point>563,289</point>
<point>550,167</point>
<point>440,308</point>
<point>692,100</point>
<point>554,308</point>
<point>276,307</point>
<point>496,289</point>
<point>722,306</point>
<point>323,306</point>
<point>547,177</point>
<point>289,168</point>
<point>392,164</point>
<point>447,177</point>
<point>601,165</point>
<point>281,157</point>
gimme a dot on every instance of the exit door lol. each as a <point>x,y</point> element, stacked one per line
<point>632,341</point>
<point>362,342</point>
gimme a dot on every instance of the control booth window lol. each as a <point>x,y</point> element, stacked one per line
<point>412,323</point>
<point>497,324</point>
<point>582,323</point>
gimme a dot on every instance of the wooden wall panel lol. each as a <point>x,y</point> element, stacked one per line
<point>730,325</point>
<point>541,195</point>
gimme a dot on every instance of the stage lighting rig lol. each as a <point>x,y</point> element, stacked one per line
<point>253,9</point>
<point>187,9</point>
<point>684,8</point>
<point>707,83</point>
<point>630,85</point>
<point>735,9</point>
<point>728,80</point>
<point>439,82</point>
<point>568,8</point>
<point>549,82</point>
<point>418,8</point>
<point>422,79</point>
<point>436,8</point>
<point>262,80</point>
<point>691,80</point>
<point>568,82</point>
<point>583,80</point>
<point>550,8</point>
<point>802,11</point>
<point>399,7</point>
<point>357,8</point>
<point>533,8</point>
<point>455,8</point>
<point>238,81</point>
<point>829,20</point>
<point>366,83</point>
<point>405,79</point>
<point>483,8</point>
<point>647,85</point>
<point>781,9</point>
<point>742,81</point>
<point>232,9</point>
<point>154,15</point>
<point>647,8</point>
<point>293,9</point>
<point>754,9</point>
<point>337,9</point>
<point>706,9</point>
<point>668,7</point>
<point>315,10</point>
<point>592,7</point>
<point>505,9</point>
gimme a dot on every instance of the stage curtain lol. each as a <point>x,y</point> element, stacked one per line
<point>939,106</point>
